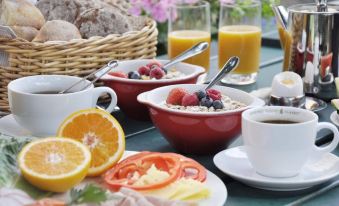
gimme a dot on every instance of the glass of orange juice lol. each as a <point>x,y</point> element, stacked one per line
<point>188,25</point>
<point>240,35</point>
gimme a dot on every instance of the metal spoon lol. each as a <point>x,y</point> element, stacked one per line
<point>302,200</point>
<point>98,74</point>
<point>230,65</point>
<point>195,50</point>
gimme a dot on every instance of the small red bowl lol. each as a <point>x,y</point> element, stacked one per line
<point>197,132</point>
<point>127,90</point>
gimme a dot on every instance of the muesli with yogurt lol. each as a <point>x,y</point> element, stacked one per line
<point>151,71</point>
<point>201,101</point>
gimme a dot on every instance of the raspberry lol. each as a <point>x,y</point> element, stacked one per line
<point>157,73</point>
<point>175,96</point>
<point>118,74</point>
<point>214,94</point>
<point>144,70</point>
<point>190,100</point>
<point>154,64</point>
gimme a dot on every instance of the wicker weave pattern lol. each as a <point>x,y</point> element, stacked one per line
<point>77,57</point>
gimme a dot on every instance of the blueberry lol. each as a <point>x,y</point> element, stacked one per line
<point>206,101</point>
<point>201,94</point>
<point>217,104</point>
<point>133,75</point>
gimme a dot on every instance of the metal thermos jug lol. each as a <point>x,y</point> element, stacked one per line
<point>309,35</point>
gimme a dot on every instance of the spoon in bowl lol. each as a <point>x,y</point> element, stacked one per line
<point>229,66</point>
<point>195,50</point>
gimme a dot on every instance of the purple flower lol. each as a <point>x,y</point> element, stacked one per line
<point>157,9</point>
<point>159,12</point>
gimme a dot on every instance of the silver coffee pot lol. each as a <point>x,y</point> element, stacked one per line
<point>309,34</point>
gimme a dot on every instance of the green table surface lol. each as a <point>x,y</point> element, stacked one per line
<point>143,136</point>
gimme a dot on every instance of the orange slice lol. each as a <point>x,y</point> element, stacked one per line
<point>54,164</point>
<point>102,134</point>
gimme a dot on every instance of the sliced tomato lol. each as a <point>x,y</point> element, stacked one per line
<point>122,174</point>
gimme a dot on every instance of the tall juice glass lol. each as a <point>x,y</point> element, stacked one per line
<point>240,35</point>
<point>188,25</point>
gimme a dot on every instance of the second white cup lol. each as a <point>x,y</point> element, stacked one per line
<point>279,141</point>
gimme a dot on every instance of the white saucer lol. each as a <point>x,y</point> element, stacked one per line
<point>335,118</point>
<point>234,162</point>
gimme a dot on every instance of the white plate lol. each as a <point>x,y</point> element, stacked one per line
<point>335,118</point>
<point>234,162</point>
<point>218,189</point>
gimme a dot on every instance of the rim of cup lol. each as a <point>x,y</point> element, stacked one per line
<point>16,81</point>
<point>245,116</point>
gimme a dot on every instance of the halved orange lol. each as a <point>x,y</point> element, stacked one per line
<point>54,164</point>
<point>102,134</point>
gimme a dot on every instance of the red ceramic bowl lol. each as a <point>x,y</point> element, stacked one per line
<point>193,132</point>
<point>127,90</point>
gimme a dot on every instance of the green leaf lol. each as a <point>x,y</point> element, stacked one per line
<point>89,194</point>
<point>9,173</point>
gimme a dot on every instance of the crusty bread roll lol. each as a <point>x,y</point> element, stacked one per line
<point>57,30</point>
<point>20,13</point>
<point>25,32</point>
<point>101,22</point>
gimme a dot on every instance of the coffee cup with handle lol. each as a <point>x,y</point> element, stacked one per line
<point>279,140</point>
<point>36,105</point>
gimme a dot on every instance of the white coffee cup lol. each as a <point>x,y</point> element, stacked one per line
<point>281,150</point>
<point>42,114</point>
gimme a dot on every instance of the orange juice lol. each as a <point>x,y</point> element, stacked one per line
<point>242,41</point>
<point>180,41</point>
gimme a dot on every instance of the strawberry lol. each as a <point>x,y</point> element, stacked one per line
<point>214,94</point>
<point>175,96</point>
<point>190,100</point>
<point>118,74</point>
<point>144,70</point>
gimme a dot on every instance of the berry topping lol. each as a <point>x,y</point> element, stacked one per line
<point>217,104</point>
<point>154,64</point>
<point>206,101</point>
<point>175,96</point>
<point>118,74</point>
<point>144,70</point>
<point>133,75</point>
<point>190,100</point>
<point>157,73</point>
<point>214,94</point>
<point>201,94</point>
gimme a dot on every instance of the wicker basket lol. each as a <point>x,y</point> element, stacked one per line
<point>77,57</point>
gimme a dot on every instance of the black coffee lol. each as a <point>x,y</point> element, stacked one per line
<point>280,121</point>
<point>50,92</point>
